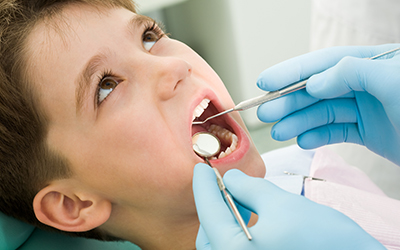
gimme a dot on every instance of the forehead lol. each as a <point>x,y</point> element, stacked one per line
<point>73,24</point>
<point>60,46</point>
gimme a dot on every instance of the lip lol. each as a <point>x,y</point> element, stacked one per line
<point>244,142</point>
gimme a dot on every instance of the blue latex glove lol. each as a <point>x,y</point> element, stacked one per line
<point>352,100</point>
<point>286,221</point>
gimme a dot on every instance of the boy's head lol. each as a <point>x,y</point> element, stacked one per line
<point>111,100</point>
<point>27,164</point>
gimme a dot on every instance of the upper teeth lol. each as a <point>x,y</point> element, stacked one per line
<point>198,111</point>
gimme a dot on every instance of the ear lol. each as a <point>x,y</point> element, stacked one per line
<point>59,205</point>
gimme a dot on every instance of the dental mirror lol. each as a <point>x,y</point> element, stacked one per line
<point>205,144</point>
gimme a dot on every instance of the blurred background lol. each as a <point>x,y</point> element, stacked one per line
<point>240,39</point>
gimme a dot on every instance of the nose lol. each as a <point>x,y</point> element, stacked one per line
<point>169,73</point>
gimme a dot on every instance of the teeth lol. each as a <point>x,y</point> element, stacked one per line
<point>204,103</point>
<point>227,136</point>
<point>198,111</point>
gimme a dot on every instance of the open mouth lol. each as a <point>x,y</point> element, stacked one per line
<point>217,126</point>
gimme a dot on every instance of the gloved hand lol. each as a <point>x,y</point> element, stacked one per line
<point>286,221</point>
<point>352,100</point>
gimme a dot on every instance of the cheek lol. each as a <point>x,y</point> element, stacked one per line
<point>211,78</point>
<point>255,164</point>
<point>145,151</point>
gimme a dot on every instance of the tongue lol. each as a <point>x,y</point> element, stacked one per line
<point>198,128</point>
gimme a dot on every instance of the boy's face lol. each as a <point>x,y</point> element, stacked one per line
<point>134,147</point>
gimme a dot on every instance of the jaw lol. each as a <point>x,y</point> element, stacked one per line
<point>142,227</point>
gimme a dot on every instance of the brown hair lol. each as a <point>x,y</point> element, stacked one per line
<point>26,163</point>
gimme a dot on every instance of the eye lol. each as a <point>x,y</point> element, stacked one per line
<point>149,39</point>
<point>151,35</point>
<point>105,87</point>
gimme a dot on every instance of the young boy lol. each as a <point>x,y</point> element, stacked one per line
<point>97,105</point>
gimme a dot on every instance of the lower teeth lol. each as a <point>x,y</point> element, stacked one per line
<point>227,137</point>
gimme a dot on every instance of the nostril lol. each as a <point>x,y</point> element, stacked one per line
<point>169,74</point>
<point>189,69</point>
<point>189,72</point>
<point>176,85</point>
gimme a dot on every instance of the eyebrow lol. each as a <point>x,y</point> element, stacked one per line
<point>94,63</point>
<point>84,78</point>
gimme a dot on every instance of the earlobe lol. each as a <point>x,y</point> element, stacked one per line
<point>60,207</point>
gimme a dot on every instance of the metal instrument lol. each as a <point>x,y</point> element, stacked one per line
<point>207,145</point>
<point>269,96</point>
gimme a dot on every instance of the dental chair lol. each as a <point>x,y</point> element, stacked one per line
<point>15,234</point>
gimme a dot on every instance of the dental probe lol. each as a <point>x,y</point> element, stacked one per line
<point>259,100</point>
<point>269,96</point>
<point>229,200</point>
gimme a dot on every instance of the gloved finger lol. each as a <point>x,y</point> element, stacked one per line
<point>253,193</point>
<point>206,192</point>
<point>277,109</point>
<point>202,242</point>
<point>304,66</point>
<point>377,77</point>
<point>330,134</point>
<point>200,179</point>
<point>322,113</point>
<point>274,110</point>
<point>214,214</point>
